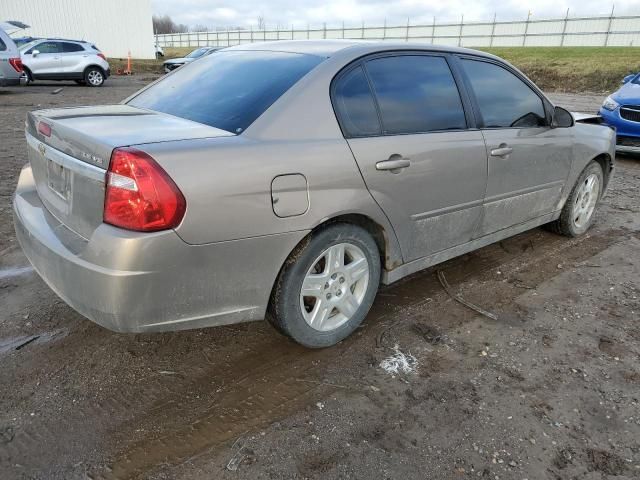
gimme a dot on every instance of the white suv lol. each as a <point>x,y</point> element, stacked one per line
<point>10,64</point>
<point>58,59</point>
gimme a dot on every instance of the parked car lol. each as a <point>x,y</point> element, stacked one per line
<point>61,59</point>
<point>173,63</point>
<point>622,111</point>
<point>24,40</point>
<point>10,63</point>
<point>289,179</point>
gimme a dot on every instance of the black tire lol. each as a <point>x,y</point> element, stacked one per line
<point>285,307</point>
<point>29,76</point>
<point>566,224</point>
<point>92,73</point>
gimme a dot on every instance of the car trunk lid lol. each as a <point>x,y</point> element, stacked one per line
<point>70,165</point>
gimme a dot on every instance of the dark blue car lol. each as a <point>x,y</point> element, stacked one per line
<point>622,111</point>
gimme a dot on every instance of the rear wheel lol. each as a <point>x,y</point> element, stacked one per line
<point>94,76</point>
<point>327,286</point>
<point>578,211</point>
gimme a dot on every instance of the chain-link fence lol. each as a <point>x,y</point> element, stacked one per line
<point>556,32</point>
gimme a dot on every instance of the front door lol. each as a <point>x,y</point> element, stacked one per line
<point>47,61</point>
<point>406,125</point>
<point>528,160</point>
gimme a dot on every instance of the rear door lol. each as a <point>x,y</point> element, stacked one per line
<point>406,123</point>
<point>47,61</point>
<point>528,160</point>
<point>71,56</point>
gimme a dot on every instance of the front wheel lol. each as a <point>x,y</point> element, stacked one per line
<point>578,211</point>
<point>327,286</point>
<point>94,77</point>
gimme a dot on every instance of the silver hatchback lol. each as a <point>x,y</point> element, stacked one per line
<point>287,180</point>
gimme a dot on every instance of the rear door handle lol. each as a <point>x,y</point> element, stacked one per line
<point>503,150</point>
<point>394,164</point>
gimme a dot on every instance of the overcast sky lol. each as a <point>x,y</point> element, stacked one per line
<point>217,13</point>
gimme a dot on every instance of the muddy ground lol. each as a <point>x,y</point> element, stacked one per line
<point>549,390</point>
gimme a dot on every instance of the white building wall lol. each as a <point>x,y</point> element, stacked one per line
<point>115,26</point>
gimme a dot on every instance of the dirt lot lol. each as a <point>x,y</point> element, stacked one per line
<point>549,390</point>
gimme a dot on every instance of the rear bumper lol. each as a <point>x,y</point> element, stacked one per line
<point>134,282</point>
<point>9,82</point>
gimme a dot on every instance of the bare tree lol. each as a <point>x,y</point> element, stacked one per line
<point>261,24</point>
<point>164,24</point>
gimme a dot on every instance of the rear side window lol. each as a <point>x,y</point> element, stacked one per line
<point>355,106</point>
<point>227,90</point>
<point>68,47</point>
<point>416,93</point>
<point>504,100</point>
<point>3,46</point>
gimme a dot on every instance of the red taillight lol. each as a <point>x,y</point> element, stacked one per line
<point>44,129</point>
<point>140,195</point>
<point>101,55</point>
<point>16,63</point>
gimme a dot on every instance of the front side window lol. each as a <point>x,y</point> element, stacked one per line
<point>504,100</point>
<point>48,47</point>
<point>415,94</point>
<point>355,106</point>
<point>227,89</point>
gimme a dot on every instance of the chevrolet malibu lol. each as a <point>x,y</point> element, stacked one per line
<point>288,180</point>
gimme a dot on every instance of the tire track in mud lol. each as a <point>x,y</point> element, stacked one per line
<point>253,384</point>
<point>271,391</point>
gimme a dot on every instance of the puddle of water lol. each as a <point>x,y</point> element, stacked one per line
<point>15,272</point>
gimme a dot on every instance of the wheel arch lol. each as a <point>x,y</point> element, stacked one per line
<point>93,65</point>
<point>606,162</point>
<point>390,255</point>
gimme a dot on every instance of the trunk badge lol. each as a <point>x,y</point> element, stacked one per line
<point>41,148</point>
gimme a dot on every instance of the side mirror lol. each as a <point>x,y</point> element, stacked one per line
<point>628,78</point>
<point>562,118</point>
<point>35,53</point>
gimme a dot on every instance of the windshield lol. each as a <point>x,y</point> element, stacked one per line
<point>27,46</point>
<point>227,89</point>
<point>197,53</point>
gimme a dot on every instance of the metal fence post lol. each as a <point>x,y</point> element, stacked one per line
<point>362,36</point>
<point>406,37</point>
<point>343,29</point>
<point>493,30</point>
<point>433,30</point>
<point>384,30</point>
<point>324,30</point>
<point>526,29</point>
<point>606,38</point>
<point>460,33</point>
<point>564,28</point>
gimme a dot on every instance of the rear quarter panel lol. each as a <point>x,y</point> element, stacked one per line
<point>227,184</point>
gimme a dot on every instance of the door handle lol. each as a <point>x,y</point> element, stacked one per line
<point>394,164</point>
<point>503,150</point>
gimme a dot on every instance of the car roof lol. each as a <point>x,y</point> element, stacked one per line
<point>327,48</point>
<point>63,40</point>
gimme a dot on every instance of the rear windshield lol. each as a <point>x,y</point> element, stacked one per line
<point>227,89</point>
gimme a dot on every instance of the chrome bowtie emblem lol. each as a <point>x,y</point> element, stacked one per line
<point>41,148</point>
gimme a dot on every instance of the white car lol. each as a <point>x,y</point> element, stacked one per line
<point>59,59</point>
